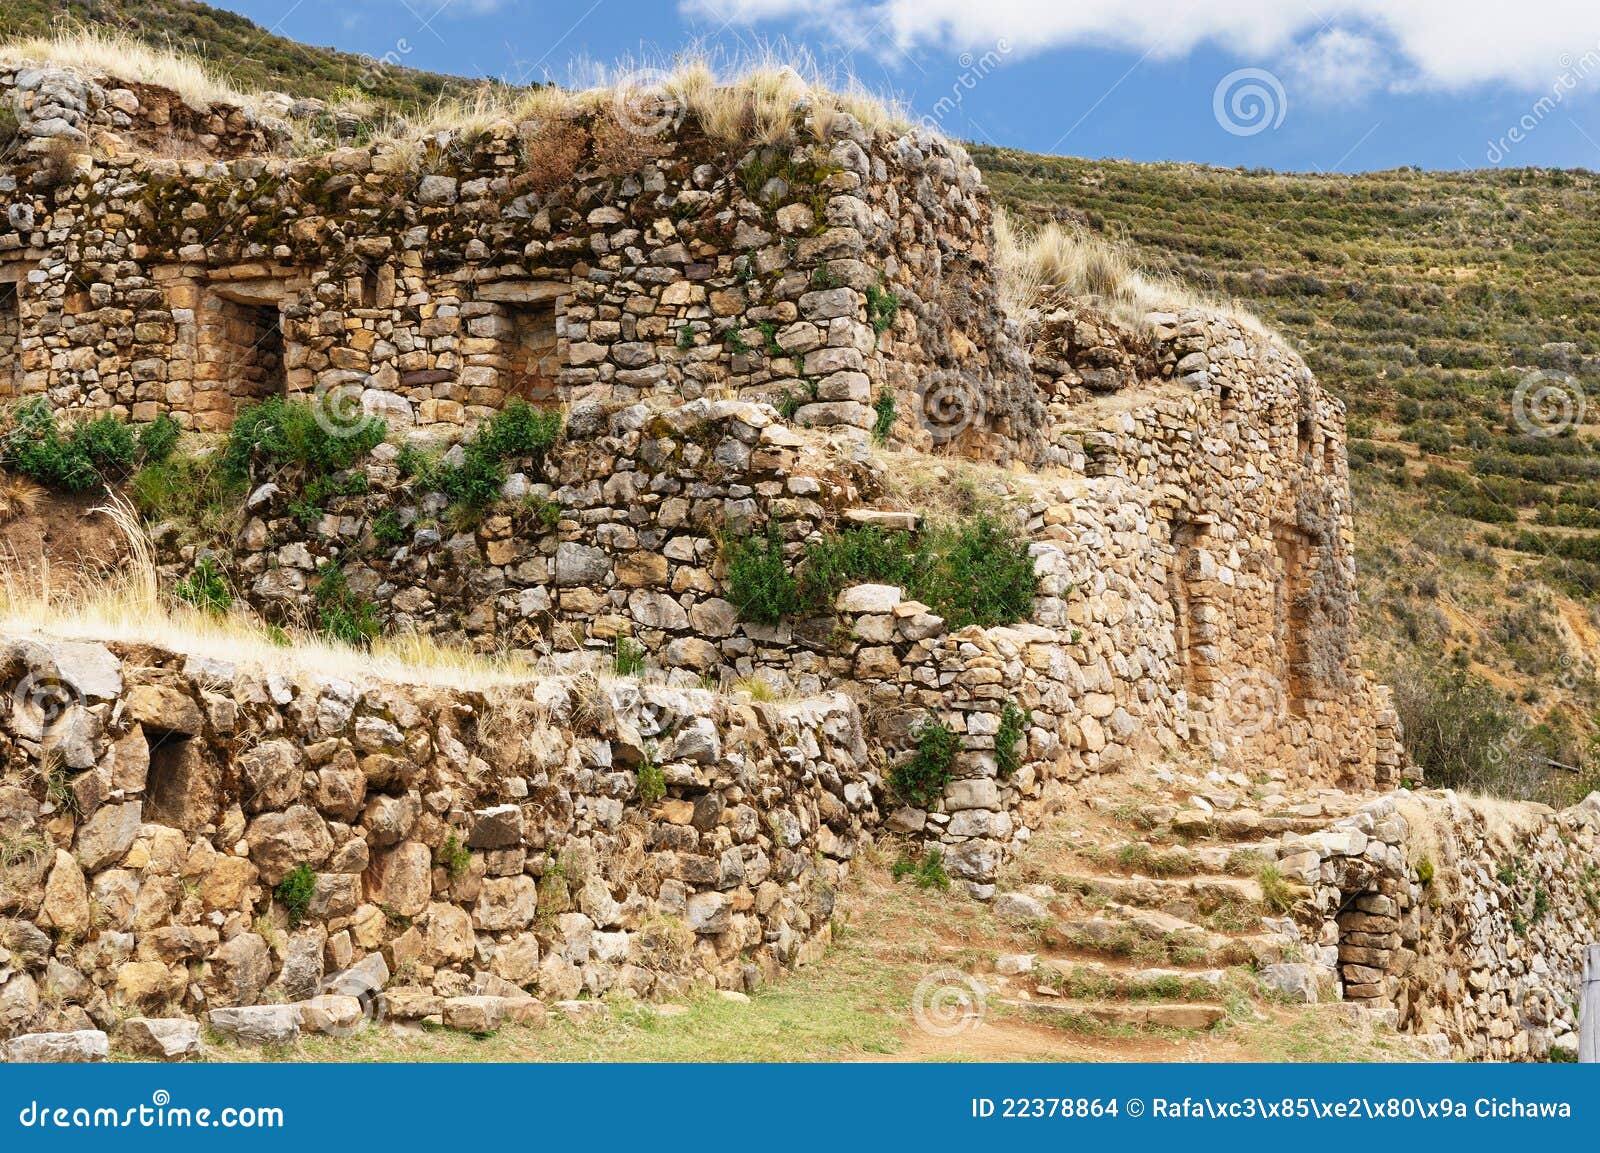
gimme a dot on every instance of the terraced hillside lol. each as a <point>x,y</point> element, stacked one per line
<point>1424,299</point>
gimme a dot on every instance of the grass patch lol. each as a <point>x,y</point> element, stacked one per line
<point>295,891</point>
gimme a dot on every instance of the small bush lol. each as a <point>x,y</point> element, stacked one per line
<point>652,782</point>
<point>1425,872</point>
<point>85,455</point>
<point>341,613</point>
<point>158,439</point>
<point>1461,733</point>
<point>517,432</point>
<point>1014,724</point>
<point>387,529</point>
<point>920,780</point>
<point>926,871</point>
<point>883,423</point>
<point>205,588</point>
<point>453,857</point>
<point>285,436</point>
<point>1276,892</point>
<point>759,581</point>
<point>882,308</point>
<point>627,658</point>
<point>295,891</point>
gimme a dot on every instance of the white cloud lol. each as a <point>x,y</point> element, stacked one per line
<point>1442,44</point>
<point>1337,65</point>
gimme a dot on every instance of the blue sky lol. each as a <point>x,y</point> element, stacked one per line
<point>1327,85</point>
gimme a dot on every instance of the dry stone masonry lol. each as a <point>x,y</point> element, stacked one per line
<point>724,331</point>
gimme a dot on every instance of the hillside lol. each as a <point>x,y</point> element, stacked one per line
<point>1422,299</point>
<point>247,54</point>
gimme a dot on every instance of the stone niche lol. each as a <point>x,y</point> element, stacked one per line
<point>1296,559</point>
<point>10,331</point>
<point>521,319</point>
<point>241,355</point>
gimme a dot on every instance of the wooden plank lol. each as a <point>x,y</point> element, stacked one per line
<point>1589,1010</point>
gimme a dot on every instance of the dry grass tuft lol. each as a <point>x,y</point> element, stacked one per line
<point>19,496</point>
<point>113,53</point>
<point>1053,262</point>
<point>130,606</point>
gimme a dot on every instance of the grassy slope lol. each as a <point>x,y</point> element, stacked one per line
<point>249,55</point>
<point>1422,299</point>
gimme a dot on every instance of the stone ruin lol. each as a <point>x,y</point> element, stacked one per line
<point>723,328</point>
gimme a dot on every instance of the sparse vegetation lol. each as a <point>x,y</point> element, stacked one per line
<point>205,587</point>
<point>920,778</point>
<point>627,657</point>
<point>342,614</point>
<point>295,891</point>
<point>1013,731</point>
<point>652,782</point>
<point>453,857</point>
<point>926,869</point>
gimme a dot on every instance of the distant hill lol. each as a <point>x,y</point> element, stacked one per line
<point>249,55</point>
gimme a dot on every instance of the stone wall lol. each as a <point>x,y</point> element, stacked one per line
<point>1470,918</point>
<point>62,107</point>
<point>553,263</point>
<point>462,843</point>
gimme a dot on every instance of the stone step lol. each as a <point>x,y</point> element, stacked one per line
<point>1133,1014</point>
<point>1237,858</point>
<point>1201,893</point>
<point>888,520</point>
<point>1094,980</point>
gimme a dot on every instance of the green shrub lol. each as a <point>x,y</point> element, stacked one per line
<point>205,587</point>
<point>759,581</point>
<point>921,778</point>
<point>882,308</point>
<point>341,613</point>
<point>295,891</point>
<point>627,658</point>
<point>87,454</point>
<point>453,857</point>
<point>1013,730</point>
<point>286,436</point>
<point>652,782</point>
<point>1425,871</point>
<point>883,424</point>
<point>1460,733</point>
<point>517,432</point>
<point>187,490</point>
<point>387,529</point>
<point>158,439</point>
<point>926,871</point>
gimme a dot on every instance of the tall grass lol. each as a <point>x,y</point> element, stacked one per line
<point>114,53</point>
<point>130,605</point>
<point>1040,268</point>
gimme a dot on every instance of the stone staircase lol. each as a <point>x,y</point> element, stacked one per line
<point>1157,910</point>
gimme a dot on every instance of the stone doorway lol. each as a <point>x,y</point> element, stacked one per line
<point>1192,586</point>
<point>241,356</point>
